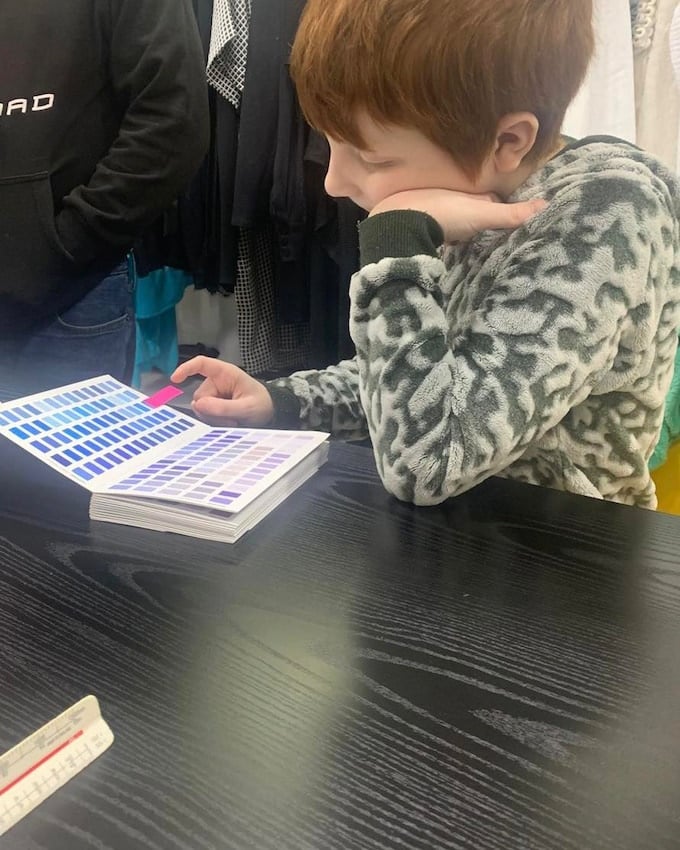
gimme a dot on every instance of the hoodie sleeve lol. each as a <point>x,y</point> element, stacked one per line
<point>323,400</point>
<point>157,72</point>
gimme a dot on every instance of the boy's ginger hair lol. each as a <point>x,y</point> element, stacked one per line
<point>449,68</point>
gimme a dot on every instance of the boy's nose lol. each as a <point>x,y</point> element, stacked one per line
<point>338,183</point>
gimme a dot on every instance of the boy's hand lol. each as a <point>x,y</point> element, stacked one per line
<point>228,396</point>
<point>462,216</point>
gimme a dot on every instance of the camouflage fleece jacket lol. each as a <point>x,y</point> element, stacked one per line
<point>542,354</point>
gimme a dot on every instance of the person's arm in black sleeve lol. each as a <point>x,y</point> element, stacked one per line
<point>157,71</point>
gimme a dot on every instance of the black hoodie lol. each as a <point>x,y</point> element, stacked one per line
<point>103,120</point>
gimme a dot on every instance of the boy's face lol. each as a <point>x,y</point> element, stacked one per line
<point>395,159</point>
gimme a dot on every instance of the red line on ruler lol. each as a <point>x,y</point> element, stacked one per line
<point>40,763</point>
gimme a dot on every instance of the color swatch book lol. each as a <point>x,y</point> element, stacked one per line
<point>155,467</point>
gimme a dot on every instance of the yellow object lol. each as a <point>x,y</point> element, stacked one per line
<point>667,479</point>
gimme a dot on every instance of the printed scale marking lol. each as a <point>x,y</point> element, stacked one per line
<point>48,758</point>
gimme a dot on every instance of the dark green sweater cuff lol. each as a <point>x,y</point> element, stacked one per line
<point>286,408</point>
<point>398,233</point>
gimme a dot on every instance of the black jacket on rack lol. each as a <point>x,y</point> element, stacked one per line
<point>207,241</point>
<point>278,180</point>
<point>265,173</point>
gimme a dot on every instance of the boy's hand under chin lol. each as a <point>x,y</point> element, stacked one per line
<point>462,216</point>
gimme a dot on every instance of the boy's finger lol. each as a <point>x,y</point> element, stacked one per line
<point>490,196</point>
<point>235,409</point>
<point>208,367</point>
<point>207,389</point>
<point>502,216</point>
<point>184,370</point>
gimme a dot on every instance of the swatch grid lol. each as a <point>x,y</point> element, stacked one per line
<point>218,468</point>
<point>90,429</point>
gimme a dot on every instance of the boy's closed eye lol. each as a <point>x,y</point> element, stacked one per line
<point>378,165</point>
<point>370,160</point>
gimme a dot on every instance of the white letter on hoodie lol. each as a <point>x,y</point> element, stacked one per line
<point>43,101</point>
<point>19,105</point>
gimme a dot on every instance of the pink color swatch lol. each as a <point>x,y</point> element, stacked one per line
<point>163,396</point>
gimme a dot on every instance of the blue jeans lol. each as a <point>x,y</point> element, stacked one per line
<point>95,336</point>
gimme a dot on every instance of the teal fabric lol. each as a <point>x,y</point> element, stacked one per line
<point>670,432</point>
<point>155,298</point>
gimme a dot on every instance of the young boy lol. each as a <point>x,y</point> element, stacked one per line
<point>532,338</point>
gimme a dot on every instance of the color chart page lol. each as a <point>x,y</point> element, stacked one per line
<point>105,436</point>
<point>93,431</point>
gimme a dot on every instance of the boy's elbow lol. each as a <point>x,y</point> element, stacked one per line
<point>411,484</point>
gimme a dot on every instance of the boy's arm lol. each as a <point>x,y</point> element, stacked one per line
<point>330,400</point>
<point>325,400</point>
<point>448,406</point>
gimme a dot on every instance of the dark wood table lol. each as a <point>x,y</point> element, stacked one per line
<point>499,672</point>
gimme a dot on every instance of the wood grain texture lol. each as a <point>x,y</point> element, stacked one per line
<point>500,672</point>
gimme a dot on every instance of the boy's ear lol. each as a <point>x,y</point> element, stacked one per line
<point>515,137</point>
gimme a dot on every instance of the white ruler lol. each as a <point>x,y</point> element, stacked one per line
<point>48,758</point>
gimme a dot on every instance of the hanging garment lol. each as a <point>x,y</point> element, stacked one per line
<point>156,295</point>
<point>667,480</point>
<point>332,258</point>
<point>226,72</point>
<point>273,24</point>
<point>657,95</point>
<point>272,193</point>
<point>643,20</point>
<point>666,459</point>
<point>210,242</point>
<point>605,105</point>
<point>262,225</point>
<point>674,46</point>
<point>267,345</point>
<point>288,207</point>
<point>229,48</point>
<point>670,431</point>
